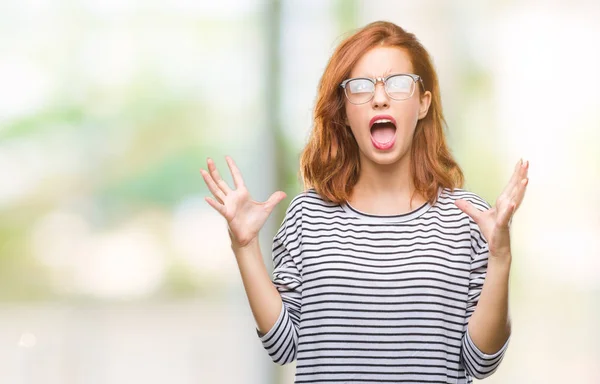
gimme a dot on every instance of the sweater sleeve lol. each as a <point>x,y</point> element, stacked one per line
<point>477,363</point>
<point>281,341</point>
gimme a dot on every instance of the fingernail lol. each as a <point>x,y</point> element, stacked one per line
<point>524,163</point>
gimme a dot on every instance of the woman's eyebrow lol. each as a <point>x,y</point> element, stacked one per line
<point>386,73</point>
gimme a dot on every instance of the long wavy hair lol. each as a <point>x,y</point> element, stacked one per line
<point>330,162</point>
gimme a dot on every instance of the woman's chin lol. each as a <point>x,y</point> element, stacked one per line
<point>387,157</point>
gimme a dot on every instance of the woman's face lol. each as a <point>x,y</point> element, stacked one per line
<point>385,142</point>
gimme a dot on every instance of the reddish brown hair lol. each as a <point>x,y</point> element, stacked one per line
<point>330,161</point>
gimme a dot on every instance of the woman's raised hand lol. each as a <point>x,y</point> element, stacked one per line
<point>245,217</point>
<point>495,222</point>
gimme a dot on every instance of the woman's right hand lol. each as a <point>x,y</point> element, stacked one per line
<point>245,217</point>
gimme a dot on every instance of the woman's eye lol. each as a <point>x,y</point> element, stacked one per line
<point>360,86</point>
<point>399,83</point>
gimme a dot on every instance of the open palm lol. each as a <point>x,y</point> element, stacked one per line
<point>495,222</point>
<point>245,216</point>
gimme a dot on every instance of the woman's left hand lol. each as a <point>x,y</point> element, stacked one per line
<point>495,222</point>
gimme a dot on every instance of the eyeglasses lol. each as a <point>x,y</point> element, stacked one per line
<point>360,90</point>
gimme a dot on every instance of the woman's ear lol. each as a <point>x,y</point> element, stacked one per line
<point>425,102</point>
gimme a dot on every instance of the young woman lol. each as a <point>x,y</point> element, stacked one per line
<point>385,270</point>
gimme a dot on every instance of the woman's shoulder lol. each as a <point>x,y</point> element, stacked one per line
<point>448,195</point>
<point>310,199</point>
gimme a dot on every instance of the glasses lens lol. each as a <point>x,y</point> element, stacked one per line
<point>359,91</point>
<point>400,87</point>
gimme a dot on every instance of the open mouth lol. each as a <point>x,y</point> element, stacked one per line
<point>383,131</point>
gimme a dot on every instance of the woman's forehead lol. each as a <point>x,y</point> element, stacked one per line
<point>382,61</point>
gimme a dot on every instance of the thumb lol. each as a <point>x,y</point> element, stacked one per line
<point>274,199</point>
<point>469,209</point>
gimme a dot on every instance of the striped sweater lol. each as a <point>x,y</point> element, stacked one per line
<point>372,298</point>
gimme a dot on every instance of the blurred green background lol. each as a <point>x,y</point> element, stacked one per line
<point>113,269</point>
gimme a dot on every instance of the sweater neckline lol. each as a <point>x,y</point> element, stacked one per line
<point>378,219</point>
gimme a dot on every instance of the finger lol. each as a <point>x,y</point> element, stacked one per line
<point>214,189</point>
<point>217,177</point>
<point>523,171</point>
<point>507,191</point>
<point>518,186</point>
<point>274,199</point>
<point>469,209</point>
<point>505,216</point>
<point>519,192</point>
<point>235,172</point>
<point>219,207</point>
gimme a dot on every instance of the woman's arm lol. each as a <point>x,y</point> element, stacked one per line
<point>489,326</point>
<point>265,301</point>
<point>274,303</point>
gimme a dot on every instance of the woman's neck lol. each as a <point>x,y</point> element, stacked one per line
<point>385,189</point>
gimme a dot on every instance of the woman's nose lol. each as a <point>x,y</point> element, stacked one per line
<point>380,98</point>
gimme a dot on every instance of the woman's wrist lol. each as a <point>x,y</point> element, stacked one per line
<point>500,262</point>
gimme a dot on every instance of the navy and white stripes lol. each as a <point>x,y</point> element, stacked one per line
<point>370,298</point>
